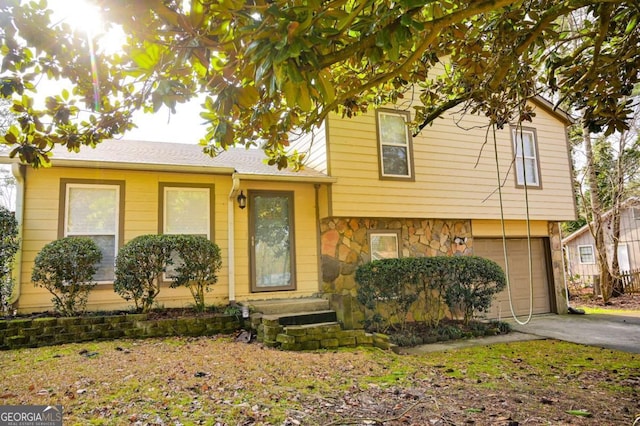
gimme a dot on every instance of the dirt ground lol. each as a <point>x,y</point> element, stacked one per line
<point>628,302</point>
<point>218,382</point>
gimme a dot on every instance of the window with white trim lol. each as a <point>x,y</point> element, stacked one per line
<point>636,213</point>
<point>526,157</point>
<point>186,210</point>
<point>93,211</point>
<point>384,245</point>
<point>394,144</point>
<point>586,255</point>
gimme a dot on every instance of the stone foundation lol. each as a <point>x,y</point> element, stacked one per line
<point>345,246</point>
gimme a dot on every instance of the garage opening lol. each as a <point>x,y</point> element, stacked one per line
<point>518,252</point>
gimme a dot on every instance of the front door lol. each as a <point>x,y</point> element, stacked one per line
<point>272,252</point>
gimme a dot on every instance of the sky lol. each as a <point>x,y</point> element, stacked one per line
<point>185,126</point>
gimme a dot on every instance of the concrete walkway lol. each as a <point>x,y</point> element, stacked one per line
<point>621,332</point>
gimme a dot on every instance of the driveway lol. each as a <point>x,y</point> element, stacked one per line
<point>621,332</point>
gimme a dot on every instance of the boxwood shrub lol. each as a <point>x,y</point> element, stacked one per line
<point>8,249</point>
<point>187,260</point>
<point>139,267</point>
<point>66,268</point>
<point>395,291</point>
<point>197,262</point>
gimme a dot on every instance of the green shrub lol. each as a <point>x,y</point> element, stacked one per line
<point>8,248</point>
<point>139,267</point>
<point>387,285</point>
<point>197,265</point>
<point>473,282</point>
<point>395,291</point>
<point>66,268</point>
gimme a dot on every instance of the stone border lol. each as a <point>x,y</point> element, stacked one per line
<point>29,333</point>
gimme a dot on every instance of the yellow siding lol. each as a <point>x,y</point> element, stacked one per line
<point>513,228</point>
<point>314,145</point>
<point>40,226</point>
<point>448,182</point>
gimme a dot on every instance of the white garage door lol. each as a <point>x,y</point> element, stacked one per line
<point>518,252</point>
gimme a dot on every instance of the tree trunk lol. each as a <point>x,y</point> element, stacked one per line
<point>617,288</point>
<point>596,224</point>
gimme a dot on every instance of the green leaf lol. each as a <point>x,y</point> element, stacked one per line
<point>579,413</point>
<point>304,100</point>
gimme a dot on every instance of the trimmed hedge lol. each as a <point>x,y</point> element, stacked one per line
<point>395,291</point>
<point>198,264</point>
<point>139,267</point>
<point>8,248</point>
<point>66,268</point>
<point>188,260</point>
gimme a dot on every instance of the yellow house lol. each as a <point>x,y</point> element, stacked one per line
<point>369,190</point>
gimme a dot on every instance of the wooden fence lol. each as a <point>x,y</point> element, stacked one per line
<point>631,281</point>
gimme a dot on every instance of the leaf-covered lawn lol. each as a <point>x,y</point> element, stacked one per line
<point>215,381</point>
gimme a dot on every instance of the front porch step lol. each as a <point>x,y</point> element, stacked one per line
<point>288,306</point>
<point>302,318</point>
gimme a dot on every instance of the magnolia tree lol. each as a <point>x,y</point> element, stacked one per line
<point>268,68</point>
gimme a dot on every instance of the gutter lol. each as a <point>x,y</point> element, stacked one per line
<point>287,178</point>
<point>231,236</point>
<point>19,172</point>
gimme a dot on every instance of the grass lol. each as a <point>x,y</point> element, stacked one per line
<point>608,311</point>
<point>214,381</point>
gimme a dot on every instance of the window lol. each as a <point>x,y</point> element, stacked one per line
<point>394,144</point>
<point>384,245</point>
<point>94,210</point>
<point>524,141</point>
<point>586,255</point>
<point>186,209</point>
<point>636,213</point>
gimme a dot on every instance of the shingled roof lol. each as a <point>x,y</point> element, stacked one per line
<point>145,155</point>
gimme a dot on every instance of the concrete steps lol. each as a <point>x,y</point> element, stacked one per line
<point>305,324</point>
<point>288,306</point>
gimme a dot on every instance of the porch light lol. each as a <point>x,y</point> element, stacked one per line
<point>242,200</point>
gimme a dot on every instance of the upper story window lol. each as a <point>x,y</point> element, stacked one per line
<point>526,157</point>
<point>586,255</point>
<point>186,209</point>
<point>94,210</point>
<point>636,213</point>
<point>395,149</point>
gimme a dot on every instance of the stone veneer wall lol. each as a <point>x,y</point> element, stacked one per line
<point>345,246</point>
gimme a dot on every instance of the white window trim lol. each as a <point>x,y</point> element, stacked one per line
<point>593,255</point>
<point>395,235</point>
<point>185,188</point>
<point>68,187</point>
<point>406,145</point>
<point>515,137</point>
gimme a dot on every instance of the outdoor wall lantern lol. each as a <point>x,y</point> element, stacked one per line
<point>242,200</point>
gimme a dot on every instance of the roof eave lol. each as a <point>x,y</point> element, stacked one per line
<point>286,178</point>
<point>116,165</point>
<point>558,113</point>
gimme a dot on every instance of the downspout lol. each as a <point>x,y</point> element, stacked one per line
<point>19,173</point>
<point>231,236</point>
<point>318,236</point>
